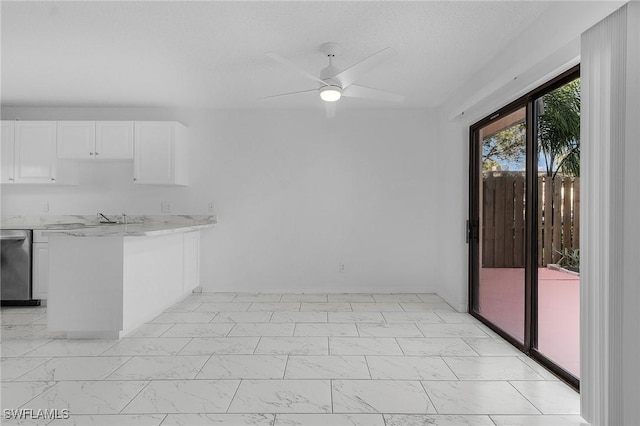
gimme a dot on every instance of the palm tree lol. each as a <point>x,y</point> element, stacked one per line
<point>559,130</point>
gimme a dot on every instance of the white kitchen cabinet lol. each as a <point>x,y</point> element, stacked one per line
<point>191,260</point>
<point>8,151</point>
<point>40,271</point>
<point>160,153</point>
<point>95,140</point>
<point>76,139</point>
<point>108,287</point>
<point>35,152</point>
<point>114,140</point>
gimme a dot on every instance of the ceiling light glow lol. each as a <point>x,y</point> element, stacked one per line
<point>330,93</point>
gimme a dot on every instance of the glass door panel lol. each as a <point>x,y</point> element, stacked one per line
<point>501,250</point>
<point>557,116</point>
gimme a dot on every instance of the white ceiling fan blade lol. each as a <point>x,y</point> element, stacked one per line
<point>330,109</point>
<point>355,91</point>
<point>285,61</point>
<point>289,93</point>
<point>354,72</point>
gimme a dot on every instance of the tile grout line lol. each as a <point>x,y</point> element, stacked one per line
<point>528,366</point>
<point>331,392</point>
<point>284,373</point>
<point>214,317</point>
<point>449,367</point>
<point>233,397</point>
<point>428,397</point>
<point>464,339</point>
<point>167,330</point>
<point>366,361</point>
<point>527,399</point>
<point>400,346</point>
<point>257,344</point>
<point>183,346</point>
<point>106,378</point>
<point>229,332</point>
<point>15,379</point>
<point>136,395</point>
<point>203,365</point>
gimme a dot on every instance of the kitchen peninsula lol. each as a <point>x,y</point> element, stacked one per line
<point>106,280</point>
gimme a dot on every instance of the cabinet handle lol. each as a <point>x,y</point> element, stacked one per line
<point>10,179</point>
<point>97,153</point>
<point>91,153</point>
<point>53,179</point>
<point>135,179</point>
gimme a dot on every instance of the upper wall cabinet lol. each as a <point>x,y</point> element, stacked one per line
<point>160,153</point>
<point>8,151</point>
<point>102,140</point>
<point>35,152</point>
<point>114,140</point>
<point>76,139</point>
<point>47,151</point>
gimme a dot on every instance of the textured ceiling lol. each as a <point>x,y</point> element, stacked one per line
<point>212,53</point>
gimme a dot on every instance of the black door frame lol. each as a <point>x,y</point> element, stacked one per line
<point>528,101</point>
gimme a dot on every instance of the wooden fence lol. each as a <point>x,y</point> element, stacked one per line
<point>503,232</point>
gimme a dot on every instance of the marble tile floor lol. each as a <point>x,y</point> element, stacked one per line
<point>282,359</point>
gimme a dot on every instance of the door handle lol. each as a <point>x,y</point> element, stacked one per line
<point>472,230</point>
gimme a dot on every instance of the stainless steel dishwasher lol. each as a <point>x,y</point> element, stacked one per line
<point>15,275</point>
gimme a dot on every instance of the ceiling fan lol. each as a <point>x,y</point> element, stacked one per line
<point>333,83</point>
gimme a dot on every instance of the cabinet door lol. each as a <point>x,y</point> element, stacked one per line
<point>76,139</point>
<point>8,151</point>
<point>35,145</point>
<point>114,140</point>
<point>40,271</point>
<point>153,152</point>
<point>191,260</point>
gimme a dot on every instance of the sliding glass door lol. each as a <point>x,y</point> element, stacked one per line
<point>557,117</point>
<point>524,224</point>
<point>501,189</point>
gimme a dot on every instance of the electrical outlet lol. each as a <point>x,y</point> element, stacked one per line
<point>165,207</point>
<point>211,208</point>
<point>341,267</point>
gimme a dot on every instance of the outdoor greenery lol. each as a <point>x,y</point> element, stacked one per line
<point>570,259</point>
<point>506,146</point>
<point>559,130</point>
<point>558,136</point>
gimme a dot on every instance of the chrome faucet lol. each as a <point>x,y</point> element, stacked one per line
<point>106,219</point>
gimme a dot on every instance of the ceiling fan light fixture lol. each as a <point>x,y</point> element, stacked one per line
<point>330,93</point>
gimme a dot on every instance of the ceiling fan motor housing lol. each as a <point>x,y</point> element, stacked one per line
<point>327,73</point>
<point>330,49</point>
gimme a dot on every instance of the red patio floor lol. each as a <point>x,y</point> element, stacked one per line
<point>502,302</point>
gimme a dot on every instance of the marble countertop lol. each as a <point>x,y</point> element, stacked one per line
<point>130,230</point>
<point>87,226</point>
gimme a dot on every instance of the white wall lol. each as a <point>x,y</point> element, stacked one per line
<point>453,193</point>
<point>296,195</point>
